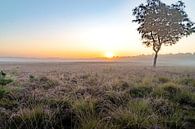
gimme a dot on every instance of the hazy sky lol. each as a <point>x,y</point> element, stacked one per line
<point>76,28</point>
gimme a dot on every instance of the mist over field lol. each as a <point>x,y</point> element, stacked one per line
<point>163,60</point>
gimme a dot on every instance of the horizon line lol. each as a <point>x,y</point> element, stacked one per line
<point>84,58</point>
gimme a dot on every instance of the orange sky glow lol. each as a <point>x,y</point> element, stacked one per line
<point>86,30</point>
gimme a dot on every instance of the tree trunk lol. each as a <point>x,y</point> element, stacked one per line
<point>155,59</point>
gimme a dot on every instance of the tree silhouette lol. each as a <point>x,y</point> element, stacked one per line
<point>162,24</point>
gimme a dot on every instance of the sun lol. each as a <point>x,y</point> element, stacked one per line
<point>109,55</point>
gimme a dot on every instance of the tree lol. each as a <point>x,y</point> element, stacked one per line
<point>161,24</point>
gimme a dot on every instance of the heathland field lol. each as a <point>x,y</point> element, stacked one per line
<point>96,96</point>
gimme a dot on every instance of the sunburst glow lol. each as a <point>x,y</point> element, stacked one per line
<point>109,54</point>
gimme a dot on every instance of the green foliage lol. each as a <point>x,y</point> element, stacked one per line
<point>162,31</point>
<point>161,24</point>
<point>3,91</point>
<point>3,80</point>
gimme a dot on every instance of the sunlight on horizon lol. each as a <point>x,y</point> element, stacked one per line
<point>109,54</point>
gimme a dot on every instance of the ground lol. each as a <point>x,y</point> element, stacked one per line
<point>96,96</point>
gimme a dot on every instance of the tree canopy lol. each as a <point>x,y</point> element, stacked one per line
<point>162,24</point>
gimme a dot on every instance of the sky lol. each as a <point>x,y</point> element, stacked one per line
<point>77,29</point>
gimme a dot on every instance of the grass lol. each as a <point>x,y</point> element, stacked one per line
<point>30,119</point>
<point>3,91</point>
<point>103,98</point>
<point>188,81</point>
<point>137,114</point>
